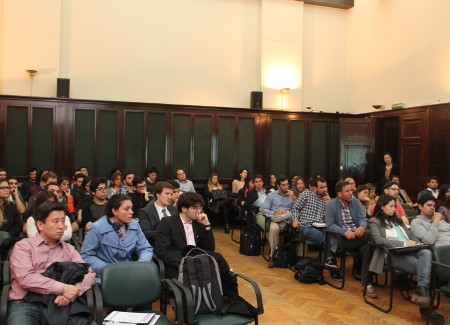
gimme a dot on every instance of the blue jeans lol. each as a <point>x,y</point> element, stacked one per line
<point>21,312</point>
<point>415,263</point>
<point>314,234</point>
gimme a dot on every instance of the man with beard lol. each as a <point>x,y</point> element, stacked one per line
<point>346,217</point>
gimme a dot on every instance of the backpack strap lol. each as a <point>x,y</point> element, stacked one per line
<point>206,285</point>
<point>195,286</point>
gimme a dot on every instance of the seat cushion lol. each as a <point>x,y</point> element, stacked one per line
<point>233,319</point>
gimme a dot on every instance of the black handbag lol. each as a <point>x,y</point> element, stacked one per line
<point>219,194</point>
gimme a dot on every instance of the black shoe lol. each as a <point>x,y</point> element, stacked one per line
<point>331,263</point>
<point>336,276</point>
<point>435,317</point>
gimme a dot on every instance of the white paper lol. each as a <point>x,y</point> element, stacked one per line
<point>121,317</point>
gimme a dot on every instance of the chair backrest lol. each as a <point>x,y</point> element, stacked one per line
<point>130,284</point>
<point>442,255</point>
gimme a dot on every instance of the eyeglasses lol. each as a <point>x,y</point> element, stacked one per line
<point>395,189</point>
<point>199,209</point>
<point>4,188</point>
<point>101,189</point>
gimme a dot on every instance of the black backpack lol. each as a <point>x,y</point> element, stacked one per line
<point>285,255</point>
<point>250,241</point>
<point>201,274</point>
<point>309,270</point>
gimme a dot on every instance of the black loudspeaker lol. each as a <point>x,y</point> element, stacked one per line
<point>256,99</point>
<point>63,88</point>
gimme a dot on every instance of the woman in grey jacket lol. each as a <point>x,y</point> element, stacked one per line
<point>389,231</point>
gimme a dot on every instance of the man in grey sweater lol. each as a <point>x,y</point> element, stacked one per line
<point>429,227</point>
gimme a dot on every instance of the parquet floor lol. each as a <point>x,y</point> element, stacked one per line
<point>287,301</point>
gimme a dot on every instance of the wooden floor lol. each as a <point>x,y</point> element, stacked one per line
<point>287,301</point>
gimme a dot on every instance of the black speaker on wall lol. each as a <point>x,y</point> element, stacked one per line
<point>63,88</point>
<point>256,99</point>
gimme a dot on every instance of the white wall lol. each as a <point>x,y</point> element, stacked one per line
<point>324,59</point>
<point>398,51</point>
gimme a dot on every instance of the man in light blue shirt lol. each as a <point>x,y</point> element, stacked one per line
<point>277,207</point>
<point>185,184</point>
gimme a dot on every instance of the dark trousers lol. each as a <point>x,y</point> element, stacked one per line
<point>360,244</point>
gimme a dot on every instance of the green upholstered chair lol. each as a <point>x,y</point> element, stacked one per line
<point>230,319</point>
<point>136,284</point>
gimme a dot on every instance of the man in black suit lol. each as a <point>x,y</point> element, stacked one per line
<point>255,200</point>
<point>153,212</point>
<point>190,227</point>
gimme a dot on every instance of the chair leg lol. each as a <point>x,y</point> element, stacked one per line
<point>342,270</point>
<point>391,297</point>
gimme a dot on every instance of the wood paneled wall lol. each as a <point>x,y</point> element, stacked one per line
<point>63,134</point>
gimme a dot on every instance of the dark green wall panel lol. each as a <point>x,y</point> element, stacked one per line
<point>42,134</point>
<point>84,139</point>
<point>225,163</point>
<point>156,142</point>
<point>181,143</point>
<point>134,142</point>
<point>297,149</point>
<point>318,148</point>
<point>279,147</point>
<point>107,142</point>
<point>16,140</point>
<point>202,146</point>
<point>246,144</point>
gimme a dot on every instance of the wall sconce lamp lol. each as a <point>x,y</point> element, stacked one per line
<point>283,91</point>
<point>31,73</point>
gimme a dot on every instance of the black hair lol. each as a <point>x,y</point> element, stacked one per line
<point>151,170</point>
<point>42,197</point>
<point>137,180</point>
<point>425,198</point>
<point>340,185</point>
<point>382,201</point>
<point>43,210</point>
<point>174,184</point>
<point>96,182</point>
<point>189,199</point>
<point>114,203</point>
<point>280,179</point>
<point>389,184</point>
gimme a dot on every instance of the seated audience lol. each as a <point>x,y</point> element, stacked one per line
<point>31,257</point>
<point>3,173</point>
<point>10,220</point>
<point>223,204</point>
<point>239,183</point>
<point>389,231</point>
<point>362,194</point>
<point>115,237</point>
<point>298,187</point>
<point>150,216</point>
<point>345,217</point>
<point>309,211</point>
<point>271,183</point>
<point>445,210</point>
<point>28,183</point>
<point>444,194</point>
<point>176,192</point>
<point>392,189</point>
<point>432,189</point>
<point>242,193</point>
<point>32,230</point>
<point>403,197</point>
<point>64,186</point>
<point>15,196</point>
<point>190,227</point>
<point>94,209</point>
<point>373,197</point>
<point>429,227</point>
<point>77,188</point>
<point>115,184</point>
<point>128,186</point>
<point>277,207</point>
<point>140,197</point>
<point>46,178</point>
<point>152,174</point>
<point>255,199</point>
<point>386,170</point>
<point>185,184</point>
<point>84,195</point>
<point>352,183</point>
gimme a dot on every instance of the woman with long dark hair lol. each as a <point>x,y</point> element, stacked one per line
<point>239,183</point>
<point>444,194</point>
<point>389,231</point>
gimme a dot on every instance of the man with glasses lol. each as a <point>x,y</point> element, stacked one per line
<point>94,210</point>
<point>190,227</point>
<point>393,189</point>
<point>140,197</point>
<point>185,184</point>
<point>150,215</point>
